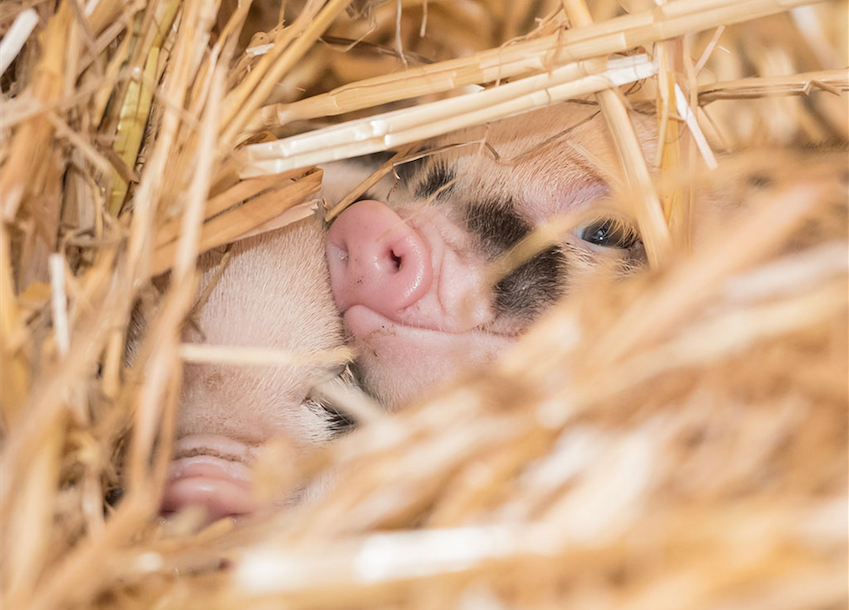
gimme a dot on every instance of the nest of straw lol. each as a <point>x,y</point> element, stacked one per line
<point>675,441</point>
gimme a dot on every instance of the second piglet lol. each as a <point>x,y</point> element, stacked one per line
<point>272,293</point>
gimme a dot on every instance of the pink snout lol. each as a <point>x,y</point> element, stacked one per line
<point>377,260</point>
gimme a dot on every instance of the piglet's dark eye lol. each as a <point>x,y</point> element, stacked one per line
<point>609,233</point>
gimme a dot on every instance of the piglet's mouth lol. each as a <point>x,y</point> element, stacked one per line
<point>363,321</point>
<point>221,484</point>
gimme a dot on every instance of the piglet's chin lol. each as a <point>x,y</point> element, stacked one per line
<point>399,363</point>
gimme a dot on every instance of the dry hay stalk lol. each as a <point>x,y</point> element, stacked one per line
<point>678,440</point>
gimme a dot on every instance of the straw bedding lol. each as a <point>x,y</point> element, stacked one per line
<point>676,440</point>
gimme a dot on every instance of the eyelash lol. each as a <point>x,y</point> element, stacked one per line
<point>609,233</point>
<point>338,421</point>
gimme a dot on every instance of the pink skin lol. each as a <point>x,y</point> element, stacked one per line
<point>413,291</point>
<point>221,483</point>
<point>377,260</point>
<point>411,281</point>
<point>227,412</point>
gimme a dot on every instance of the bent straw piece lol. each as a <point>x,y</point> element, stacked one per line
<point>281,41</point>
<point>540,98</point>
<point>613,36</point>
<point>833,81</point>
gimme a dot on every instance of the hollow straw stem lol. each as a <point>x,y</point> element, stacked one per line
<point>831,81</point>
<point>136,107</point>
<point>537,55</point>
<point>14,364</point>
<point>234,355</point>
<point>15,37</point>
<point>402,127</point>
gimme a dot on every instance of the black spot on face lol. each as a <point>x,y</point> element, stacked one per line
<point>497,225</point>
<point>436,181</point>
<point>533,286</point>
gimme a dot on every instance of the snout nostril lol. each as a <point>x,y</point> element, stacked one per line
<point>377,260</point>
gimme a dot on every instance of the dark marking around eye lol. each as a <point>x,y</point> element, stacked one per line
<point>533,286</point>
<point>497,225</point>
<point>436,181</point>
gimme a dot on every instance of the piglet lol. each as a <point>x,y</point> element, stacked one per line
<point>411,272</point>
<point>274,292</point>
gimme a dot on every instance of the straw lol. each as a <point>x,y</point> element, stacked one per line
<point>537,55</point>
<point>16,36</point>
<point>407,126</point>
<point>670,437</point>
